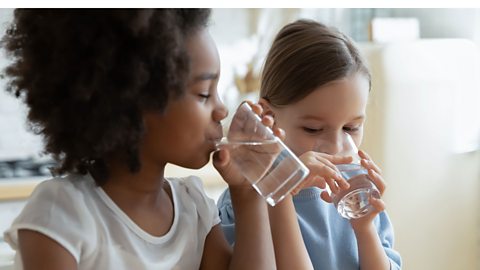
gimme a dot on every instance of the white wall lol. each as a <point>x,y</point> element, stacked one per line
<point>445,23</point>
<point>433,190</point>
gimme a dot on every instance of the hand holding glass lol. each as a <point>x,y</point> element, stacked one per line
<point>354,202</point>
<point>262,158</point>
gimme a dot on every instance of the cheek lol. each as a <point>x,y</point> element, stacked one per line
<point>298,142</point>
<point>295,138</point>
<point>358,137</point>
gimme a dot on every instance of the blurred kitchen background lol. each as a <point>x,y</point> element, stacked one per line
<point>423,125</point>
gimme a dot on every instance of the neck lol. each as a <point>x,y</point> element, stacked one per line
<point>145,197</point>
<point>145,185</point>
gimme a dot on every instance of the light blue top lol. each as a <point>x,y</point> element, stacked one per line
<point>329,238</point>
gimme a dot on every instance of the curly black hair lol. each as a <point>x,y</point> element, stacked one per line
<point>88,75</point>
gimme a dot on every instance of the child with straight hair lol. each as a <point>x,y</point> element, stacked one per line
<point>117,95</point>
<point>315,85</point>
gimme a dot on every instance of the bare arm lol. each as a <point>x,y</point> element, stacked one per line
<point>39,252</point>
<point>253,245</point>
<point>370,250</point>
<point>290,250</point>
<point>253,248</point>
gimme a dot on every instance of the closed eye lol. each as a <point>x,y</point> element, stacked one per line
<point>351,129</point>
<point>312,130</point>
<point>204,96</point>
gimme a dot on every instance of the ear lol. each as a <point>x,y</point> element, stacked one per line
<point>267,108</point>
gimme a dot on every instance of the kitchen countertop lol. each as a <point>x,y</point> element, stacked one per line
<point>21,188</point>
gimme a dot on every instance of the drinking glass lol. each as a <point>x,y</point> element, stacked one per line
<point>354,202</point>
<point>263,159</point>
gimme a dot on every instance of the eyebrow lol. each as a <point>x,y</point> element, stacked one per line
<point>313,117</point>
<point>206,77</point>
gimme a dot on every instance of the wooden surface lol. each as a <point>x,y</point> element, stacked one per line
<point>18,189</point>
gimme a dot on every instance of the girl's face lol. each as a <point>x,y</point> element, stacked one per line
<point>186,132</point>
<point>317,122</point>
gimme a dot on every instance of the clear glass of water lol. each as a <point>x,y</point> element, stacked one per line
<point>354,202</point>
<point>263,159</point>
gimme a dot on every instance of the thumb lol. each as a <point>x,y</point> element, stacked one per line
<point>220,158</point>
<point>326,197</point>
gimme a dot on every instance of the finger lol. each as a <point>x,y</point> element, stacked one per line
<point>304,184</point>
<point>310,181</point>
<point>333,186</point>
<point>377,204</point>
<point>326,197</point>
<point>221,158</point>
<point>364,155</point>
<point>317,181</point>
<point>324,169</point>
<point>369,164</point>
<point>331,175</point>
<point>324,160</point>
<point>267,120</point>
<point>377,179</point>
<point>295,191</point>
<point>339,159</point>
<point>343,184</point>
<point>279,133</point>
<point>256,108</point>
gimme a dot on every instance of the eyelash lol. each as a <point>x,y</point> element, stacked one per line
<point>313,130</point>
<point>351,129</point>
<point>204,96</point>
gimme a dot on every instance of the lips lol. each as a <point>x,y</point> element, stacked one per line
<point>217,135</point>
<point>215,139</point>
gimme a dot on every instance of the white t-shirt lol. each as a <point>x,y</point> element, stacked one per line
<point>82,218</point>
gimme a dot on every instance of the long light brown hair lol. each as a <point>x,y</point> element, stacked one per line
<point>304,56</point>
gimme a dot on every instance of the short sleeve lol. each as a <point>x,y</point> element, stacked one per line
<point>227,216</point>
<point>206,208</point>
<point>56,209</point>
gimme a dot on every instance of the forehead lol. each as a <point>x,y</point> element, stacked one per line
<point>202,52</point>
<point>341,98</point>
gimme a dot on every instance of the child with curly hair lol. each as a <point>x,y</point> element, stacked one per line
<point>117,95</point>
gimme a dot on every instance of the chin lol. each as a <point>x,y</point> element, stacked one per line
<point>197,163</point>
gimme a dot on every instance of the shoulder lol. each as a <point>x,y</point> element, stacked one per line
<point>190,193</point>
<point>190,186</point>
<point>67,196</point>
<point>72,185</point>
<point>57,208</point>
<point>60,193</point>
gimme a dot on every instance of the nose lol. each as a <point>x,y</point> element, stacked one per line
<point>331,145</point>
<point>220,112</point>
